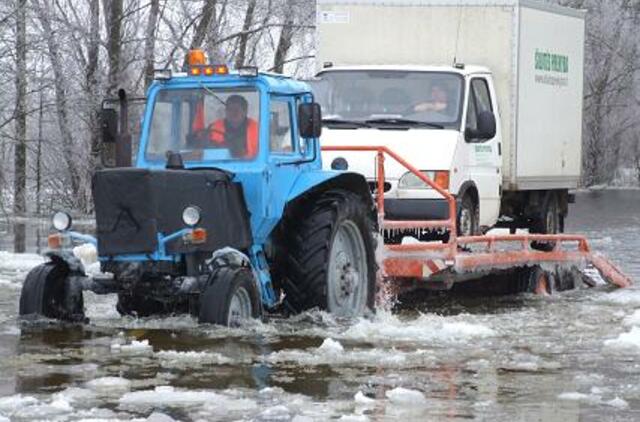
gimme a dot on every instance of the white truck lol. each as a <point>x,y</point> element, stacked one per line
<point>483,96</point>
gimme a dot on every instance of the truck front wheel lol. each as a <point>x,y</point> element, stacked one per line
<point>330,260</point>
<point>468,216</point>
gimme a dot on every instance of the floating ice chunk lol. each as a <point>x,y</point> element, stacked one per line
<point>135,348</point>
<point>75,395</point>
<point>175,359</point>
<point>330,347</point>
<point>168,396</point>
<point>625,341</point>
<point>159,417</point>
<point>406,397</point>
<point>3,419</point>
<point>575,396</point>
<point>279,412</point>
<point>363,400</point>
<point>425,329</point>
<point>618,403</point>
<point>629,297</point>
<point>22,262</point>
<point>87,253</point>
<point>110,385</point>
<point>354,418</point>
<point>61,404</point>
<point>633,319</point>
<point>12,403</point>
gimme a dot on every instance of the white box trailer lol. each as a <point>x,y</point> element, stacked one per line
<point>534,51</point>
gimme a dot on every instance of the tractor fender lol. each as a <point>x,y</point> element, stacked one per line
<point>69,259</point>
<point>319,181</point>
<point>228,257</point>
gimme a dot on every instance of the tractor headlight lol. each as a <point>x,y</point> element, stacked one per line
<point>61,221</point>
<point>191,215</point>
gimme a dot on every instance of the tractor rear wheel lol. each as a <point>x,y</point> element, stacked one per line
<point>230,298</point>
<point>48,291</point>
<point>330,261</point>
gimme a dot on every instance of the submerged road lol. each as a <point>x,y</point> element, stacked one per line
<point>574,356</point>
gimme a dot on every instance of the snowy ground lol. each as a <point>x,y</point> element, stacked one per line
<point>573,356</point>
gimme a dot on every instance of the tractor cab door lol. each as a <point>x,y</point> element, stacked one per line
<point>286,154</point>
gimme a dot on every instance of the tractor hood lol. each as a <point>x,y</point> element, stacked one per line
<point>426,149</point>
<point>133,206</point>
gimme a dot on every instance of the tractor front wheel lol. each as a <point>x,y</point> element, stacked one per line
<point>48,291</point>
<point>330,260</point>
<point>230,298</point>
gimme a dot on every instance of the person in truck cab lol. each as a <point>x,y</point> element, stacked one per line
<point>236,131</point>
<point>439,101</point>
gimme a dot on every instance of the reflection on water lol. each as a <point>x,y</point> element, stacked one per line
<point>569,357</point>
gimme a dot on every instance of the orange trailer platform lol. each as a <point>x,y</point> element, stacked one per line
<point>442,264</point>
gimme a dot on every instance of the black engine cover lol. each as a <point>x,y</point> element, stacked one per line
<point>133,205</point>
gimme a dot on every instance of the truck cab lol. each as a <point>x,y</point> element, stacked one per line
<point>443,118</point>
<point>507,144</point>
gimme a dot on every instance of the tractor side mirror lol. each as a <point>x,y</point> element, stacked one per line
<point>486,127</point>
<point>310,120</point>
<point>109,125</point>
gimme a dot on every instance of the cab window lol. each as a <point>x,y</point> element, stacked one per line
<point>281,139</point>
<point>479,101</point>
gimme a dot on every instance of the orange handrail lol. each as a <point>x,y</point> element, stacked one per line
<point>381,151</point>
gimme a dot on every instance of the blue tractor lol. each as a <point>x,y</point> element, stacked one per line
<point>226,214</point>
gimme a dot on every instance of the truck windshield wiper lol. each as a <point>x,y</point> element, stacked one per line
<point>402,122</point>
<point>344,123</point>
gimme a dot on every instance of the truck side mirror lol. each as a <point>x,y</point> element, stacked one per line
<point>486,127</point>
<point>109,125</point>
<point>309,120</point>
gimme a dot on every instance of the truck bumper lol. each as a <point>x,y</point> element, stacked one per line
<point>416,209</point>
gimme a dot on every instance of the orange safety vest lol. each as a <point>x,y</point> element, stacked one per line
<point>217,135</point>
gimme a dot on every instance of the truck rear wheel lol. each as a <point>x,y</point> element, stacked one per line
<point>331,259</point>
<point>548,222</point>
<point>230,298</point>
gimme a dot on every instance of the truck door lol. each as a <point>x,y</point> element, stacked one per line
<point>484,155</point>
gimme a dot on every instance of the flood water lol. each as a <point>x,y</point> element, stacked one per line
<point>574,356</point>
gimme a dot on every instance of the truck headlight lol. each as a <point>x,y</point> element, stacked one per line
<point>411,181</point>
<point>191,215</point>
<point>61,221</point>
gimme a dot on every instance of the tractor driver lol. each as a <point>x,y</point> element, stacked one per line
<point>237,131</point>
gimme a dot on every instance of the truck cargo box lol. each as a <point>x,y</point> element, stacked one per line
<point>534,50</point>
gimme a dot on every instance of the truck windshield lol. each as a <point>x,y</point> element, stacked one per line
<point>204,124</point>
<point>383,97</point>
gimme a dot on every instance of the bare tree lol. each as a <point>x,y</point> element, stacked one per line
<point>68,151</point>
<point>20,149</point>
<point>150,42</point>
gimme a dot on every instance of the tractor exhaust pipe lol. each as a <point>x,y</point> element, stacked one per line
<point>123,141</point>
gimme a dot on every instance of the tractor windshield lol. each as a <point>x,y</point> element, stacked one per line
<point>204,124</point>
<point>387,97</point>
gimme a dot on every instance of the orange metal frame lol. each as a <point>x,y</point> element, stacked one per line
<point>417,260</point>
